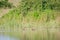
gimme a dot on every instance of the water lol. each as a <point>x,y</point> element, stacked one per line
<point>4,37</point>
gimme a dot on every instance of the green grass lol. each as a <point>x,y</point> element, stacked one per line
<point>36,25</point>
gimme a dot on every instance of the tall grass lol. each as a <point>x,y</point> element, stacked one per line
<point>34,25</point>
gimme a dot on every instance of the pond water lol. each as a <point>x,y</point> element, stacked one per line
<point>4,37</point>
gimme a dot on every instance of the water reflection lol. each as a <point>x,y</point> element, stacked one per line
<point>4,37</point>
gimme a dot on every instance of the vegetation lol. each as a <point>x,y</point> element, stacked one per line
<point>33,20</point>
<point>27,6</point>
<point>5,3</point>
<point>39,4</point>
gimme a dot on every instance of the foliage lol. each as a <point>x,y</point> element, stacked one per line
<point>30,5</point>
<point>5,3</point>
